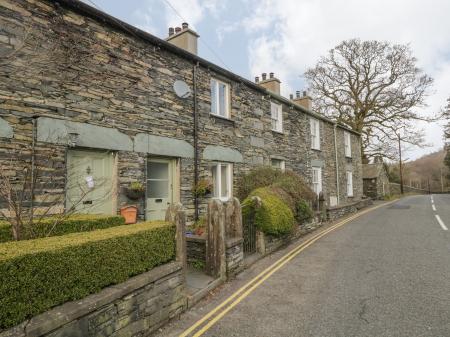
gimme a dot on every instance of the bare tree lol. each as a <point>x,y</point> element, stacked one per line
<point>375,88</point>
<point>21,182</point>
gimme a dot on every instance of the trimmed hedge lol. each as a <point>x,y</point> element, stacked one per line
<point>274,217</point>
<point>36,275</point>
<point>73,224</point>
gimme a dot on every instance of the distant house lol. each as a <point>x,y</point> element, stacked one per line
<point>375,180</point>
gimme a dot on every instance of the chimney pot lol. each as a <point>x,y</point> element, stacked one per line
<point>177,29</point>
<point>185,25</point>
<point>271,75</point>
<point>297,94</point>
<point>257,79</point>
<point>171,31</point>
<point>305,94</point>
<point>264,76</point>
<point>291,96</point>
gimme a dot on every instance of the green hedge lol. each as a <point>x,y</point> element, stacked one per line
<point>274,217</point>
<point>73,224</point>
<point>36,275</point>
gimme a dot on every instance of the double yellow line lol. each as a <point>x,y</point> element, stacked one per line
<point>250,286</point>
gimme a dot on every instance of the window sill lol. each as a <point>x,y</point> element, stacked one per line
<point>278,132</point>
<point>225,119</point>
<point>318,150</point>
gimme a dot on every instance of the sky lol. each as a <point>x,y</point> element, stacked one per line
<point>286,37</point>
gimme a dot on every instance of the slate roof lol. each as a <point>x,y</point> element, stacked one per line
<point>371,171</point>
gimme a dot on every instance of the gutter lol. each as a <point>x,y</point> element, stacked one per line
<point>103,17</point>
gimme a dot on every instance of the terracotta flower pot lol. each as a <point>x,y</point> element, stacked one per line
<point>129,213</point>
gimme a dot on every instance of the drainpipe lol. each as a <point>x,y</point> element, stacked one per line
<point>33,165</point>
<point>336,161</point>
<point>194,73</point>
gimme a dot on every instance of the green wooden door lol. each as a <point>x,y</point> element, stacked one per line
<point>90,182</point>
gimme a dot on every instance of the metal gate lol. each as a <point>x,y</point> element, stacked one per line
<point>249,229</point>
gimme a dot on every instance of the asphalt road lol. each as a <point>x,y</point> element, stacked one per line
<point>386,273</point>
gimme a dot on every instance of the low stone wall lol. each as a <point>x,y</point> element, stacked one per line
<point>267,244</point>
<point>196,248</point>
<point>334,213</point>
<point>234,255</point>
<point>136,307</point>
<point>395,189</point>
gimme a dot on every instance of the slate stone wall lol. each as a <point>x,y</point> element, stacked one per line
<point>136,307</point>
<point>61,64</point>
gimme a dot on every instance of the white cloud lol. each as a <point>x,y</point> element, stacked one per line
<point>287,36</point>
<point>193,11</point>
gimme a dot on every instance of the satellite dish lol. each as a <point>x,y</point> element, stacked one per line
<point>181,89</point>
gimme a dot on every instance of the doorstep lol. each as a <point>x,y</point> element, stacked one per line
<point>198,285</point>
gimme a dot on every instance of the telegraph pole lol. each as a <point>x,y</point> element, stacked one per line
<point>401,166</point>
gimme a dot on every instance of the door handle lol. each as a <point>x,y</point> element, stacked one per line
<point>158,200</point>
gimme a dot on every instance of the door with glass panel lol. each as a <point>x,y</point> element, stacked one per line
<point>160,178</point>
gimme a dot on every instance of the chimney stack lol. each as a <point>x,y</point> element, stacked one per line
<point>291,97</point>
<point>184,37</point>
<point>272,83</point>
<point>256,79</point>
<point>305,101</point>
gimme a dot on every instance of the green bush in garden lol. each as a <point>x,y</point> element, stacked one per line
<point>36,275</point>
<point>304,211</point>
<point>72,224</point>
<point>274,217</point>
<point>288,186</point>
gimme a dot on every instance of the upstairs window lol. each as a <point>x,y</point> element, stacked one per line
<point>349,184</point>
<point>278,164</point>
<point>317,180</point>
<point>276,114</point>
<point>222,175</point>
<point>347,144</point>
<point>220,98</point>
<point>315,133</point>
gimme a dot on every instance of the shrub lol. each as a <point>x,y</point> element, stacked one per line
<point>36,275</point>
<point>263,176</point>
<point>260,177</point>
<point>304,212</point>
<point>73,224</point>
<point>274,217</point>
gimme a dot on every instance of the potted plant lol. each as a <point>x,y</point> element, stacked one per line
<point>135,191</point>
<point>203,188</point>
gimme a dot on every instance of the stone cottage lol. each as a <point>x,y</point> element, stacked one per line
<point>114,105</point>
<point>375,180</point>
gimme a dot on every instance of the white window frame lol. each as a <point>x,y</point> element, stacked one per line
<point>347,144</point>
<point>217,194</point>
<point>316,184</point>
<point>315,133</point>
<point>216,82</point>
<point>282,163</point>
<point>276,115</point>
<point>349,183</point>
